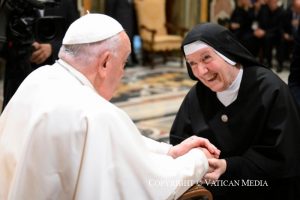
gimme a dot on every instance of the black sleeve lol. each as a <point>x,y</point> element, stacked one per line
<point>275,154</point>
<point>182,124</point>
<point>190,118</point>
<point>239,167</point>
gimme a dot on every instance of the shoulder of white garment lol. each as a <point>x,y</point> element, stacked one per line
<point>83,98</point>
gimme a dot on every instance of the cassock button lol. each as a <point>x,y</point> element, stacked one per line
<point>224,118</point>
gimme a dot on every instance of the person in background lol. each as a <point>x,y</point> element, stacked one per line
<point>69,11</point>
<point>294,76</point>
<point>244,109</point>
<point>59,132</point>
<point>124,12</point>
<point>253,43</point>
<point>19,63</point>
<point>241,21</point>
<point>257,4</point>
<point>291,21</point>
<point>266,29</point>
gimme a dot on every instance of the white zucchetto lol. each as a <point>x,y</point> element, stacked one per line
<point>91,28</point>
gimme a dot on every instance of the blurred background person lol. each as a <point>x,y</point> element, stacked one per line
<point>124,12</point>
<point>241,21</point>
<point>23,55</point>
<point>291,19</point>
<point>66,9</point>
<point>266,29</point>
<point>294,76</point>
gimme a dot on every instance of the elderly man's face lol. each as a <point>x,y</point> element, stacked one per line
<point>212,70</point>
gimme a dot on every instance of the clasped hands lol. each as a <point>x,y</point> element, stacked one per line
<point>216,166</point>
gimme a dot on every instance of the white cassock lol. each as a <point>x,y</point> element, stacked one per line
<point>60,140</point>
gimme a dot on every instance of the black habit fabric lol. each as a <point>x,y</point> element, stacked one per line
<point>258,134</point>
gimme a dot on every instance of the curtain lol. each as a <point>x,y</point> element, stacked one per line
<point>187,13</point>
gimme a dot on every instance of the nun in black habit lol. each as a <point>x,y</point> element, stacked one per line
<point>253,119</point>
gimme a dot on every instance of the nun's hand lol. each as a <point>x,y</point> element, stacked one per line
<point>217,167</point>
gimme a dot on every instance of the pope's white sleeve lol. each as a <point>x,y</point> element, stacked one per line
<point>156,147</point>
<point>118,163</point>
<point>193,166</point>
<point>172,177</point>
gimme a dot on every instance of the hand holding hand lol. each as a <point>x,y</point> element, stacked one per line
<point>41,52</point>
<point>193,142</point>
<point>208,154</point>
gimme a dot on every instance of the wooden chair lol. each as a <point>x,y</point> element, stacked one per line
<point>153,30</point>
<point>196,192</point>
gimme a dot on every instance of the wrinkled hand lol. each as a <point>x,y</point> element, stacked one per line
<point>41,52</point>
<point>217,167</point>
<point>208,154</point>
<point>193,142</point>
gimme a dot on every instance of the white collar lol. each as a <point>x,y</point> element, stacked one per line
<point>230,94</point>
<point>74,72</point>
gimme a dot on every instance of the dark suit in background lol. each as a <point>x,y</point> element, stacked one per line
<point>68,10</point>
<point>294,77</point>
<point>270,21</point>
<point>16,57</point>
<point>123,11</point>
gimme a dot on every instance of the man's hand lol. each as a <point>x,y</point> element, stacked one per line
<point>194,142</point>
<point>259,33</point>
<point>235,26</point>
<point>41,52</point>
<point>217,167</point>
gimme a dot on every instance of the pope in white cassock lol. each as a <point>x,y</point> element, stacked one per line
<point>61,138</point>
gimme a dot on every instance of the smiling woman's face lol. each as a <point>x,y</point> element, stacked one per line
<point>212,70</point>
